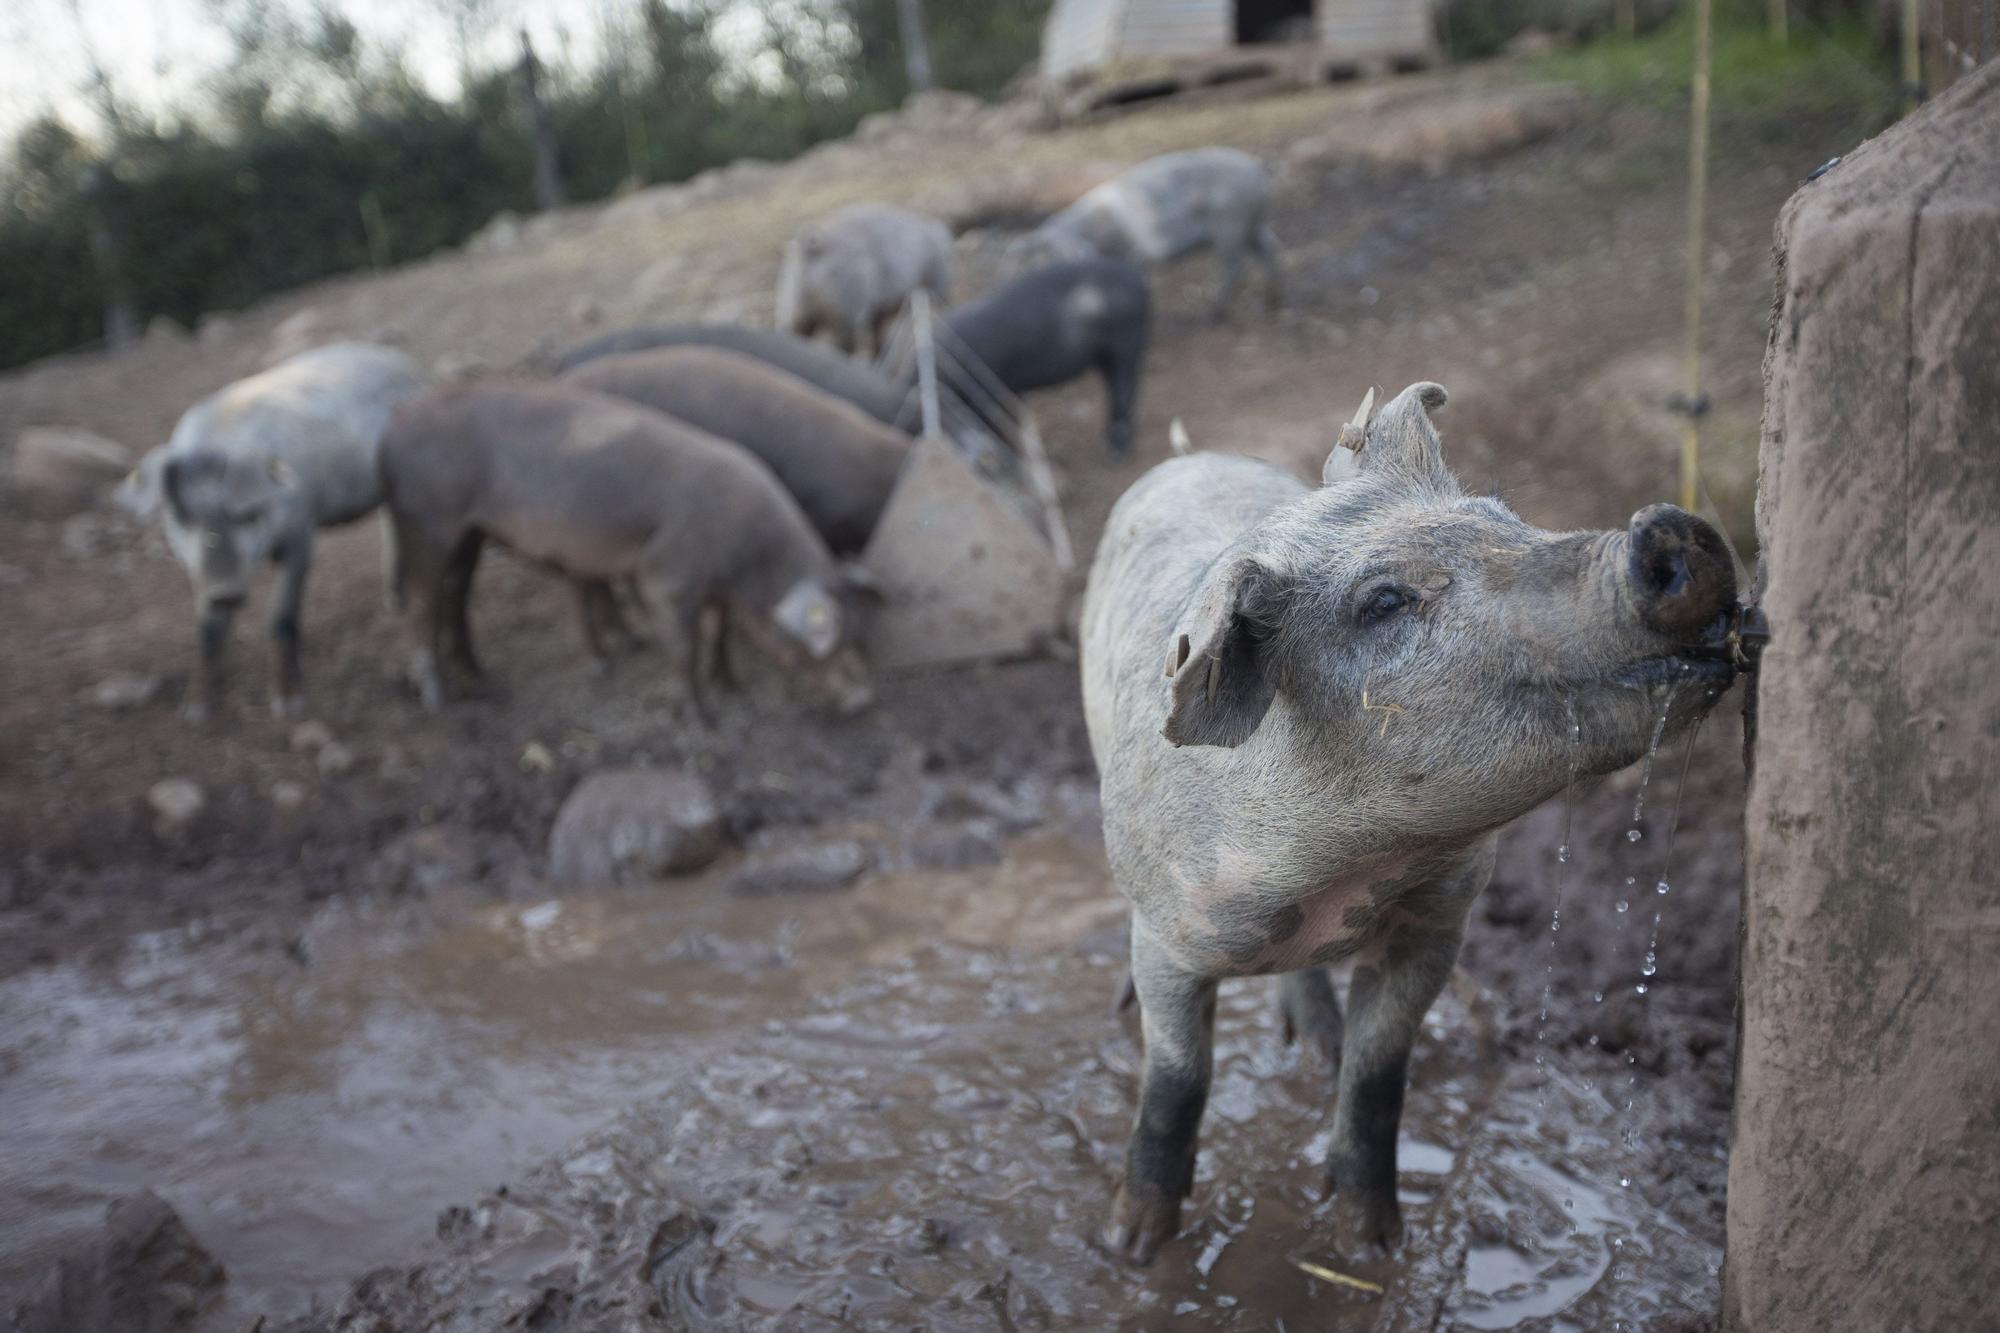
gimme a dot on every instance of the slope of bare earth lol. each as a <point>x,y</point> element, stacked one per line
<point>1520,246</point>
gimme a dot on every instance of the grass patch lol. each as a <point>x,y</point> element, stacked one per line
<point>1821,70</point>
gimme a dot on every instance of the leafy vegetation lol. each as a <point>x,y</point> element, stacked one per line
<point>319,155</point>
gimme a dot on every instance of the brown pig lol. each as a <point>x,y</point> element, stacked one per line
<point>605,492</point>
<point>838,462</point>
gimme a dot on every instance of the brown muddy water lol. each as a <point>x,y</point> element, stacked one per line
<point>903,1104</point>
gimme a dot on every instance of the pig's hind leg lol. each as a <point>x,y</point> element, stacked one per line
<point>456,612</point>
<point>1265,243</point>
<point>1177,1016</point>
<point>295,559</point>
<point>1311,1013</point>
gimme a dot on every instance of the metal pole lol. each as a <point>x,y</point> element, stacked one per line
<point>927,385</point>
<point>1697,225</point>
<point>916,51</point>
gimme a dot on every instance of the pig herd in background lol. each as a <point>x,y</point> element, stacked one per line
<point>1362,680</point>
<point>713,474</point>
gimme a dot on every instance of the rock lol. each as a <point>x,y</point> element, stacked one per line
<point>955,846</point>
<point>335,760</point>
<point>295,333</point>
<point>431,857</point>
<point>176,803</point>
<point>815,866</point>
<point>983,800</point>
<point>287,794</point>
<point>164,331</point>
<point>213,330</point>
<point>500,234</point>
<point>125,689</point>
<point>308,737</point>
<point>457,366</point>
<point>624,825</point>
<point>144,1272</point>
<point>61,469</point>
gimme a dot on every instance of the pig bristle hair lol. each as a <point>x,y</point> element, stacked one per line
<point>1177,438</point>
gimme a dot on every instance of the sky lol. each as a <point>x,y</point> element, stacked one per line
<point>161,53</point>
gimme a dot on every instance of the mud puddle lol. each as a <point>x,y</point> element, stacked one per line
<point>902,1104</point>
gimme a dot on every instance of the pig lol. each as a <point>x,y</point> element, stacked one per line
<point>1167,206</point>
<point>837,462</point>
<point>1051,324</point>
<point>608,493</point>
<point>253,472</point>
<point>810,361</point>
<point>1311,708</point>
<point>849,274</point>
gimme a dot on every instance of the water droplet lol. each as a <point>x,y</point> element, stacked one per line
<point>1641,988</point>
<point>1569,1203</point>
<point>1633,835</point>
<point>1630,880</point>
<point>1562,853</point>
<point>1598,1000</point>
<point>1648,969</point>
<point>1593,1042</point>
<point>1624,906</point>
<point>1625,1182</point>
<point>1661,887</point>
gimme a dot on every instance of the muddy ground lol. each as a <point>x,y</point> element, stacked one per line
<point>331,1013</point>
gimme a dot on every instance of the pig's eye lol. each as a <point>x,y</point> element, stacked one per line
<point>1382,603</point>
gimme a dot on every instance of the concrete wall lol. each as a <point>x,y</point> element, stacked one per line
<point>1864,1178</point>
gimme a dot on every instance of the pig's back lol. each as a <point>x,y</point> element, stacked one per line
<point>543,466</point>
<point>1161,537</point>
<point>838,462</point>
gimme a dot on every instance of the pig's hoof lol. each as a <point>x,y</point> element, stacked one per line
<point>1366,1227</point>
<point>1141,1222</point>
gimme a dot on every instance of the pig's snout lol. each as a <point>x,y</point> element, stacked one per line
<point>1682,579</point>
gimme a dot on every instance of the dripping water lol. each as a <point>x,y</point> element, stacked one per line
<point>1562,881</point>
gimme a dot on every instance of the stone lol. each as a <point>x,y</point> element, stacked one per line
<point>431,857</point>
<point>959,846</point>
<point>1864,1174</point>
<point>308,737</point>
<point>124,690</point>
<point>334,760</point>
<point>143,1271</point>
<point>287,794</point>
<point>804,869</point>
<point>61,469</point>
<point>622,826</point>
<point>176,804</point>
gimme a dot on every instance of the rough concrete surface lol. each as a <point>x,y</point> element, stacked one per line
<point>1864,1175</point>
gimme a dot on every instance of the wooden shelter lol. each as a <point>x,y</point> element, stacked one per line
<point>1139,43</point>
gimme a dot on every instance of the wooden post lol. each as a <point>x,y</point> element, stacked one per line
<point>1627,19</point>
<point>1780,18</point>
<point>1697,226</point>
<point>548,171</point>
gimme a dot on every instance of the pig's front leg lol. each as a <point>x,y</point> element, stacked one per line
<point>287,695</point>
<point>1177,1017</point>
<point>1393,987</point>
<point>217,614</point>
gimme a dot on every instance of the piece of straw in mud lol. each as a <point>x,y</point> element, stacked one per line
<point>1326,1274</point>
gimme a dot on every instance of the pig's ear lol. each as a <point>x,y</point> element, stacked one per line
<point>139,494</point>
<point>1221,682</point>
<point>1401,445</point>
